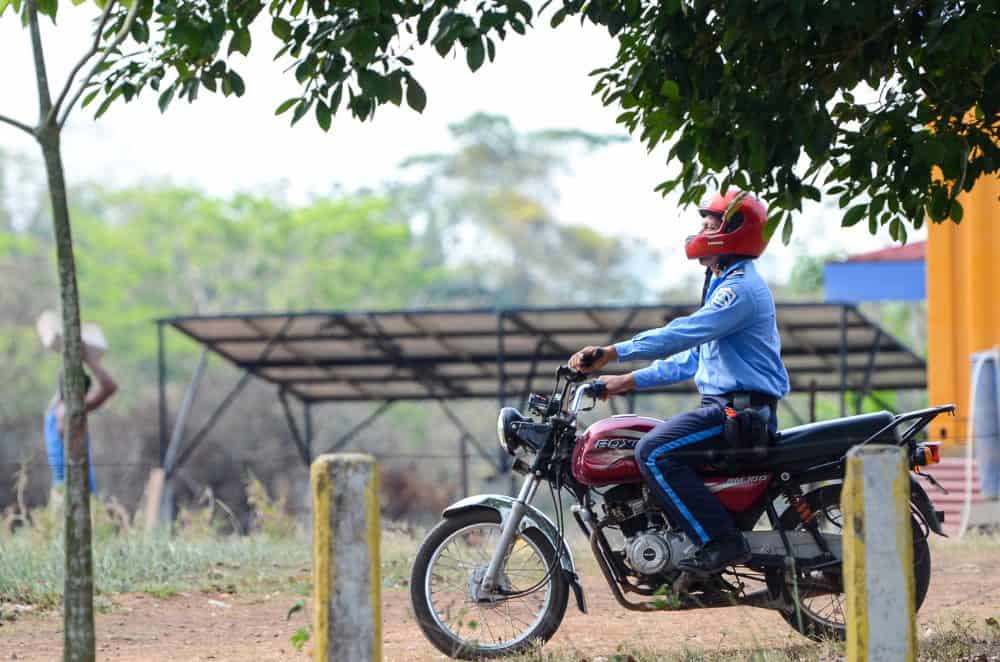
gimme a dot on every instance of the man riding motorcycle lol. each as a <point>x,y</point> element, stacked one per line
<point>732,349</point>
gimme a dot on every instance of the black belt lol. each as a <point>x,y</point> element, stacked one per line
<point>756,398</point>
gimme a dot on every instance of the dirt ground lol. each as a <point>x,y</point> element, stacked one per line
<point>205,626</point>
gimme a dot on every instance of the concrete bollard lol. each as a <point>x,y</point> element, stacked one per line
<point>878,556</point>
<point>347,575</point>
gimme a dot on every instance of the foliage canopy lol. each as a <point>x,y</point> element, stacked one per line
<point>892,108</point>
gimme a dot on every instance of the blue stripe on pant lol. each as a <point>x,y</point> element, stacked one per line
<point>673,479</point>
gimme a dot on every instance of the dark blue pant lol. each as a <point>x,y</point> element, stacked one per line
<point>672,477</point>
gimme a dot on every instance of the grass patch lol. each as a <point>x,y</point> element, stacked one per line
<point>963,640</point>
<point>32,573</point>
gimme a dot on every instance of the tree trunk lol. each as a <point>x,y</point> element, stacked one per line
<point>78,599</point>
<point>78,593</point>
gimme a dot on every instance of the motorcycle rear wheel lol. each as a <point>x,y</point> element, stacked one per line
<point>464,632</point>
<point>823,617</point>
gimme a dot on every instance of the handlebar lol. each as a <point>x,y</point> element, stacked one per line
<point>596,389</point>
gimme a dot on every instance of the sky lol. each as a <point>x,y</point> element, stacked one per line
<point>222,145</point>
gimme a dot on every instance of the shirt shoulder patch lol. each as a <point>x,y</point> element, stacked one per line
<point>724,297</point>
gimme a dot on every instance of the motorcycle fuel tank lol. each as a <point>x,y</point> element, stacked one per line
<point>605,455</point>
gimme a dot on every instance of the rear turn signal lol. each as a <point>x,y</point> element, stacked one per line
<point>926,454</point>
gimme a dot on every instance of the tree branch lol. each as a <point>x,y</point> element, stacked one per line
<point>54,111</point>
<point>41,77</point>
<point>119,38</point>
<point>19,125</point>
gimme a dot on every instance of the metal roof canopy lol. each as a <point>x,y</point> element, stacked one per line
<point>452,354</point>
<point>442,355</point>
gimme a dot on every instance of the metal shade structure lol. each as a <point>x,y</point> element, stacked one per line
<point>446,355</point>
<point>434,354</point>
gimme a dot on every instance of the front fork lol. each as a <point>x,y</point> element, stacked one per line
<point>508,532</point>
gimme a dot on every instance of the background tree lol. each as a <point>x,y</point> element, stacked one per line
<point>892,107</point>
<point>487,211</point>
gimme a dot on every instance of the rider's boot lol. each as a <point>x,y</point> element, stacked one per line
<point>717,554</point>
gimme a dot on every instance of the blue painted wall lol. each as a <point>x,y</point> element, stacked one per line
<point>854,282</point>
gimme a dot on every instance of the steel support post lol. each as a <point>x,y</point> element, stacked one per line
<point>161,369</point>
<point>365,422</point>
<point>843,361</point>
<point>307,411</point>
<point>813,387</point>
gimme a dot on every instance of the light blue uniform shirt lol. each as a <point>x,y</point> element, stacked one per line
<point>729,344</point>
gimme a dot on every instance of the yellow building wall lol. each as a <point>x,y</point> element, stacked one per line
<point>963,301</point>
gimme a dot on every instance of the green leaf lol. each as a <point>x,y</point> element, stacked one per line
<point>165,98</point>
<point>424,25</point>
<point>103,108</point>
<point>559,17</point>
<point>475,54</point>
<point>301,110</point>
<point>671,90</point>
<point>416,98</point>
<point>240,43</point>
<point>395,91</point>
<point>236,83</point>
<point>853,215</point>
<point>3,6</point>
<point>786,231</point>
<point>281,28</point>
<point>300,638</point>
<point>955,211</point>
<point>295,608</point>
<point>285,105</point>
<point>323,117</point>
<point>90,97</point>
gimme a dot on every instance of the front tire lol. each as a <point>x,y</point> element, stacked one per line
<point>445,573</point>
<point>823,617</point>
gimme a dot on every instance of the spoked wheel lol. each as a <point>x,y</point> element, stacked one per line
<point>450,606</point>
<point>817,607</point>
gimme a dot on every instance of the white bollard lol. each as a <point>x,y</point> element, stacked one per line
<point>878,556</point>
<point>347,574</point>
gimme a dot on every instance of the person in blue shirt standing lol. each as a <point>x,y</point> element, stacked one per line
<point>732,349</point>
<point>55,446</point>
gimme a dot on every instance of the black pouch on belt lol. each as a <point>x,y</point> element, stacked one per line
<point>746,426</point>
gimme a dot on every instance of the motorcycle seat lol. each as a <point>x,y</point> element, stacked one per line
<point>803,445</point>
<point>849,431</point>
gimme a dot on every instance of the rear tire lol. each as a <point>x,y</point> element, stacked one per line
<point>470,646</point>
<point>806,616</point>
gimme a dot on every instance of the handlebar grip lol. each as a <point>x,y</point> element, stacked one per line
<point>596,355</point>
<point>598,389</point>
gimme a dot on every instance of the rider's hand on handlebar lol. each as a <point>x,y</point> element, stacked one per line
<point>617,384</point>
<point>591,359</point>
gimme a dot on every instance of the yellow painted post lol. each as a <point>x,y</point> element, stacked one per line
<point>347,573</point>
<point>878,556</point>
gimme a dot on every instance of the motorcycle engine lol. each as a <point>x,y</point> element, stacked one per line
<point>649,549</point>
<point>657,551</point>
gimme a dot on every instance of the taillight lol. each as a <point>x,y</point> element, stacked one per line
<point>926,454</point>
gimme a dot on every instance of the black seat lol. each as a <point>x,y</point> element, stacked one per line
<point>850,431</point>
<point>805,445</point>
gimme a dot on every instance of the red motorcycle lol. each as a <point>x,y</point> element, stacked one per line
<point>494,576</point>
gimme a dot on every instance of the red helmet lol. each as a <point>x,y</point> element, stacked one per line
<point>743,218</point>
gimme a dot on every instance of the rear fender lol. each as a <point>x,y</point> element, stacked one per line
<point>533,519</point>
<point>922,502</point>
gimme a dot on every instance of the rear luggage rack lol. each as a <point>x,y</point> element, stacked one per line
<point>921,418</point>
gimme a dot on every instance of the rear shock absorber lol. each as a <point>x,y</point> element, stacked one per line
<point>798,502</point>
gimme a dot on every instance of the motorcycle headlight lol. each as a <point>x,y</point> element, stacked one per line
<point>505,429</point>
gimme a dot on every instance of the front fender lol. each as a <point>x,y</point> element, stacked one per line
<point>533,519</point>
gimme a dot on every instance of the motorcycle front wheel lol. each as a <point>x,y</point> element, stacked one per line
<point>447,599</point>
